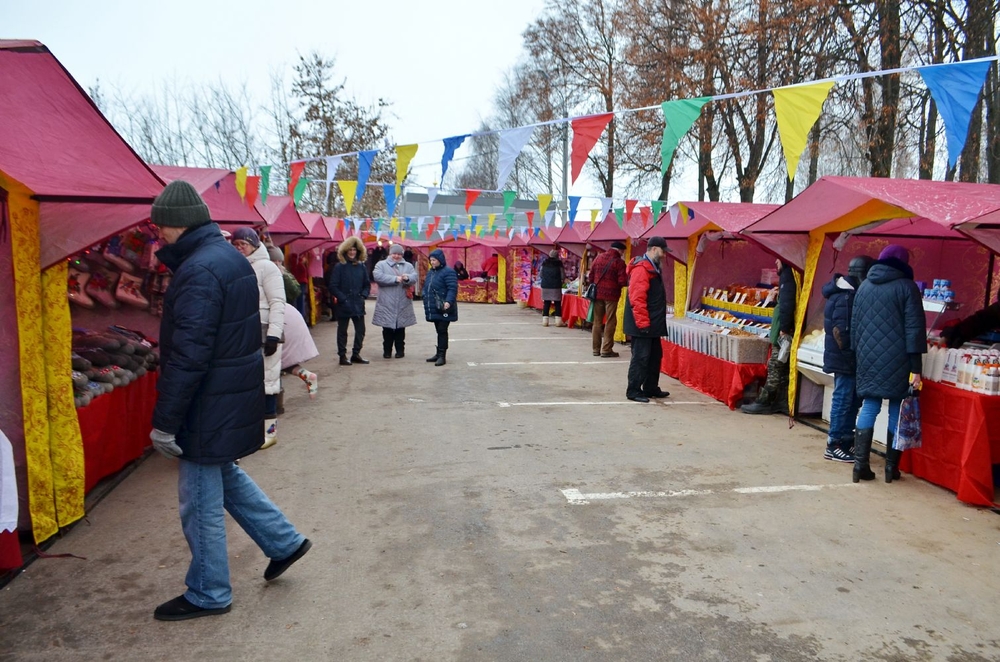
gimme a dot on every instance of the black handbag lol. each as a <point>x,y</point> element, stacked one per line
<point>591,292</point>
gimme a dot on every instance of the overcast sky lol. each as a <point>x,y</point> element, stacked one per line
<point>438,61</point>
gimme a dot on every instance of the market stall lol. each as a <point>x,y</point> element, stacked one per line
<point>68,182</point>
<point>283,221</point>
<point>476,253</point>
<point>717,337</point>
<point>844,217</point>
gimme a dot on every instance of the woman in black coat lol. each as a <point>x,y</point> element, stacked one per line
<point>440,301</point>
<point>350,286</point>
<point>552,283</point>
<point>889,338</point>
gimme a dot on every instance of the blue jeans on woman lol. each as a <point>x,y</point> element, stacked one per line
<point>844,406</point>
<point>204,491</point>
<point>869,412</point>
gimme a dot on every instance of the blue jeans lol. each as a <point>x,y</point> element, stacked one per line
<point>204,490</point>
<point>844,408</point>
<point>870,409</point>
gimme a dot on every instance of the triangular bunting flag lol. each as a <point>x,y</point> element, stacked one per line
<point>586,131</point>
<point>432,192</point>
<point>300,189</point>
<point>630,208</point>
<point>646,214</point>
<point>797,109</point>
<point>674,213</point>
<point>253,190</point>
<point>530,216</point>
<point>348,189</point>
<point>332,163</point>
<point>657,208</point>
<point>510,220</point>
<point>241,182</point>
<point>491,219</point>
<point>365,160</point>
<point>544,200</point>
<point>593,218</point>
<point>678,116</point>
<point>470,197</point>
<point>512,142</point>
<point>685,212</point>
<point>574,205</point>
<point>450,145</point>
<point>474,218</point>
<point>390,198</point>
<point>404,154</point>
<point>265,183</point>
<point>295,169</point>
<point>955,89</point>
<point>605,208</point>
<point>620,216</point>
<point>508,199</point>
<point>548,217</point>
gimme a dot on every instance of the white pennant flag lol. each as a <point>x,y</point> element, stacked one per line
<point>605,209</point>
<point>332,163</point>
<point>420,224</point>
<point>548,217</point>
<point>357,225</point>
<point>432,192</point>
<point>378,235</point>
<point>673,215</point>
<point>512,142</point>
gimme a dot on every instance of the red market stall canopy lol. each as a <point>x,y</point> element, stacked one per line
<point>218,189</point>
<point>318,234</point>
<point>900,207</point>
<point>54,141</point>
<point>283,222</point>
<point>573,237</point>
<point>731,217</point>
<point>334,228</point>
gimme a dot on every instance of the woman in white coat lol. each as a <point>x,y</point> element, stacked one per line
<point>396,279</point>
<point>272,319</point>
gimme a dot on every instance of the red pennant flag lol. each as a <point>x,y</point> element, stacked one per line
<point>586,131</point>
<point>470,197</point>
<point>646,215</point>
<point>496,233</point>
<point>531,217</point>
<point>630,208</point>
<point>296,171</point>
<point>253,188</point>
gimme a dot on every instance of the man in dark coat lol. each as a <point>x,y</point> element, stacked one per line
<point>646,322</point>
<point>838,358</point>
<point>350,286</point>
<point>987,319</point>
<point>608,273</point>
<point>889,338</point>
<point>209,411</point>
<point>773,397</point>
<point>440,302</point>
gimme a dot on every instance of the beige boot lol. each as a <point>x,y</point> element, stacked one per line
<point>545,321</point>
<point>270,432</point>
<point>560,322</point>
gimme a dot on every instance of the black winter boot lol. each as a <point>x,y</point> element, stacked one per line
<point>440,359</point>
<point>343,360</point>
<point>862,451</point>
<point>356,358</point>
<point>891,460</point>
<point>436,356</point>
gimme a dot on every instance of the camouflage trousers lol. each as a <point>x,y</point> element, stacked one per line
<point>775,389</point>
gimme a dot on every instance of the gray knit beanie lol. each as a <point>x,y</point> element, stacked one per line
<point>396,249</point>
<point>179,206</point>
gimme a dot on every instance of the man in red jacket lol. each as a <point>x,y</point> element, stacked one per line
<point>646,322</point>
<point>608,272</point>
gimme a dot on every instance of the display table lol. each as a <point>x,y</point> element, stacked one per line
<point>115,428</point>
<point>720,379</point>
<point>961,440</point>
<point>10,551</point>
<point>574,309</point>
<point>535,298</point>
<point>474,291</point>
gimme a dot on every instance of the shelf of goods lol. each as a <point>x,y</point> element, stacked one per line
<point>704,335</point>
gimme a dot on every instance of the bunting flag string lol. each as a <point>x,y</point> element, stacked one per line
<point>586,131</point>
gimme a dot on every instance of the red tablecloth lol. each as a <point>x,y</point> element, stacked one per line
<point>720,379</point>
<point>574,309</point>
<point>961,440</point>
<point>115,428</point>
<point>10,551</point>
<point>535,298</point>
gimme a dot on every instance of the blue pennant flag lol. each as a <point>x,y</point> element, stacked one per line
<point>364,170</point>
<point>450,145</point>
<point>390,197</point>
<point>474,217</point>
<point>955,88</point>
<point>574,204</point>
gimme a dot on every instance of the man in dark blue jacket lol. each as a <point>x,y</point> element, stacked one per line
<point>209,411</point>
<point>838,358</point>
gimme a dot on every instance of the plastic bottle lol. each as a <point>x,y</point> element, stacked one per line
<point>949,372</point>
<point>976,383</point>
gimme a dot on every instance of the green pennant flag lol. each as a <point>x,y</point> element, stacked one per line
<point>657,206</point>
<point>678,116</point>
<point>620,216</point>
<point>510,220</point>
<point>300,188</point>
<point>265,183</point>
<point>508,199</point>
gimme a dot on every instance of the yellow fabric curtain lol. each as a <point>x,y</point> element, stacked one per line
<point>680,288</point>
<point>501,279</point>
<point>803,285</point>
<point>53,446</point>
<point>619,332</point>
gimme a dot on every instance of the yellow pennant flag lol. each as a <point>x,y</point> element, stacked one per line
<point>593,217</point>
<point>797,109</point>
<point>468,233</point>
<point>404,154</point>
<point>492,219</point>
<point>544,200</point>
<point>402,235</point>
<point>241,182</point>
<point>393,224</point>
<point>348,188</point>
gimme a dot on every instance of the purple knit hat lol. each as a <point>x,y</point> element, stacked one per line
<point>896,251</point>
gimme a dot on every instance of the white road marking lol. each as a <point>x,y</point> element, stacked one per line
<point>499,324</point>
<point>473,364</point>
<point>574,496</point>
<point>607,402</point>
<point>512,338</point>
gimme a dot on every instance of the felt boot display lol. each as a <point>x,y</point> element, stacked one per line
<point>77,288</point>
<point>102,286</point>
<point>129,291</point>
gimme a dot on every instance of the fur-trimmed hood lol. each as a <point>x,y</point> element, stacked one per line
<point>346,246</point>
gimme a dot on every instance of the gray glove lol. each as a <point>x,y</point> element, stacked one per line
<point>165,443</point>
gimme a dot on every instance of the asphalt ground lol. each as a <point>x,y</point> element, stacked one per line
<point>513,505</point>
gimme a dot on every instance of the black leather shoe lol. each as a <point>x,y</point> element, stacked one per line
<point>357,359</point>
<point>344,361</point>
<point>275,568</point>
<point>399,355</point>
<point>179,609</point>
<point>638,398</point>
<point>386,355</point>
<point>658,394</point>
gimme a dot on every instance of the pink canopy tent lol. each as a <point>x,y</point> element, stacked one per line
<point>283,222</point>
<point>334,228</point>
<point>891,207</point>
<point>730,217</point>
<point>607,231</point>
<point>218,189</point>
<point>318,234</point>
<point>89,183</point>
<point>573,238</point>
